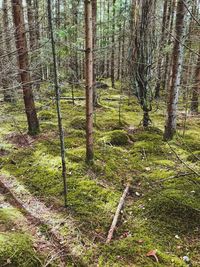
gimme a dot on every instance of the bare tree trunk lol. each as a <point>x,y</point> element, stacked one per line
<point>162,40</point>
<point>21,45</point>
<point>196,88</point>
<point>177,56</point>
<point>89,79</point>
<point>113,48</point>
<point>108,40</point>
<point>57,92</point>
<point>8,94</point>
<point>94,20</point>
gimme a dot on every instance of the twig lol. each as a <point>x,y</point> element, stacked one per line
<point>117,213</point>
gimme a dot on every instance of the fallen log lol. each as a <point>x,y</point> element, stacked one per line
<point>69,98</point>
<point>117,214</point>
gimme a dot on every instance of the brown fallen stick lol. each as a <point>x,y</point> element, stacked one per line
<point>117,213</point>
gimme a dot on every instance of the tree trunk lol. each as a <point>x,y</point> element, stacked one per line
<point>160,56</point>
<point>94,20</point>
<point>113,48</point>
<point>177,57</point>
<point>21,45</point>
<point>57,93</point>
<point>89,79</point>
<point>196,88</point>
<point>8,94</point>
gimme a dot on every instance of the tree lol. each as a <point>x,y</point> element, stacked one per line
<point>57,93</point>
<point>113,47</point>
<point>196,88</point>
<point>94,21</point>
<point>23,62</point>
<point>89,79</point>
<point>177,57</point>
<point>5,62</point>
<point>141,56</point>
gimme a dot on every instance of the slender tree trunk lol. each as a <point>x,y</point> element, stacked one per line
<point>57,92</point>
<point>108,41</point>
<point>94,20</point>
<point>162,40</point>
<point>113,48</point>
<point>196,88</point>
<point>8,94</point>
<point>89,79</point>
<point>177,56</point>
<point>21,45</point>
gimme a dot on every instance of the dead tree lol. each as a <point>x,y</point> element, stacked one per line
<point>23,62</point>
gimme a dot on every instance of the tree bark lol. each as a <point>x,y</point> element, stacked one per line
<point>21,45</point>
<point>196,88</point>
<point>113,48</point>
<point>94,21</point>
<point>8,94</point>
<point>177,57</point>
<point>89,79</point>
<point>57,93</point>
<point>160,56</point>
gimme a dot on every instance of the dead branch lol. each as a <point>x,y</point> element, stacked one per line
<point>117,213</point>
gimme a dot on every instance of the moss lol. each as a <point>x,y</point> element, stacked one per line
<point>148,148</point>
<point>194,157</point>
<point>9,216</point>
<point>76,154</point>
<point>112,124</point>
<point>78,123</point>
<point>46,115</point>
<point>116,138</point>
<point>17,250</point>
<point>92,203</point>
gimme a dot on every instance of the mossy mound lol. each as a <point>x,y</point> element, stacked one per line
<point>169,210</point>
<point>111,123</point>
<point>194,157</point>
<point>46,115</point>
<point>8,217</point>
<point>16,250</point>
<point>148,134</point>
<point>78,123</point>
<point>119,138</point>
<point>115,138</point>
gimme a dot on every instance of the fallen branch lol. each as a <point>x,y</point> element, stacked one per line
<point>117,213</point>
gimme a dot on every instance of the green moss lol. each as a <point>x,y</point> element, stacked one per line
<point>9,216</point>
<point>149,148</point>
<point>92,203</point>
<point>78,123</point>
<point>116,138</point>
<point>17,250</point>
<point>46,115</point>
<point>194,157</point>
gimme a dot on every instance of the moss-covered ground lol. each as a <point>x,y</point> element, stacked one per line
<point>162,211</point>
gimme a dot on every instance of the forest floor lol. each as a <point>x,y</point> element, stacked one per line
<point>161,212</point>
